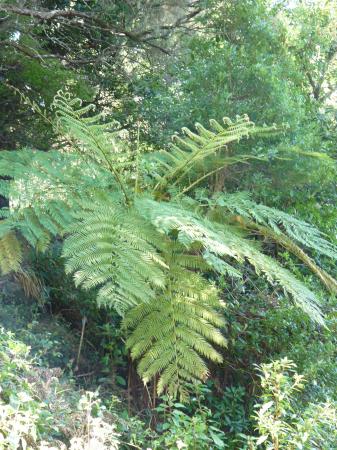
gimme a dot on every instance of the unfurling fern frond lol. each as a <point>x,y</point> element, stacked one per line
<point>174,333</point>
<point>114,249</point>
<point>220,241</point>
<point>198,149</point>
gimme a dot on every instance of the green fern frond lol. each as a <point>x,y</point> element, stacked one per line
<point>198,148</point>
<point>91,137</point>
<point>223,241</point>
<point>174,333</point>
<point>329,282</point>
<point>45,190</point>
<point>279,221</point>
<point>114,249</point>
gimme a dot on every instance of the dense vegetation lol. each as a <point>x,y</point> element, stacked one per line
<point>168,224</point>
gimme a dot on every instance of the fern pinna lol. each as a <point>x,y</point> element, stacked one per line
<point>132,229</point>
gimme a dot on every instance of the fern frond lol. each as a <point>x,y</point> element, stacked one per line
<point>329,282</point>
<point>223,241</point>
<point>10,253</point>
<point>93,138</point>
<point>112,248</point>
<point>45,189</point>
<point>196,148</point>
<point>174,333</point>
<point>279,221</point>
<point>32,285</point>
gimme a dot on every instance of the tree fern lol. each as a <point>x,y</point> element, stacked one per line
<point>147,257</point>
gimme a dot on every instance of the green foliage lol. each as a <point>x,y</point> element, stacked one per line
<point>92,138</point>
<point>44,188</point>
<point>240,65</point>
<point>317,60</point>
<point>127,237</point>
<point>40,82</point>
<point>218,241</point>
<point>204,151</point>
<point>112,246</point>
<point>11,253</point>
<point>229,411</point>
<point>280,424</point>
<point>270,223</point>
<point>172,264</point>
<point>181,430</point>
<point>171,334</point>
<point>279,221</point>
<point>37,411</point>
<point>227,408</point>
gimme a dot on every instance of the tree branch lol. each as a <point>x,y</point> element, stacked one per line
<point>45,15</point>
<point>32,53</point>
